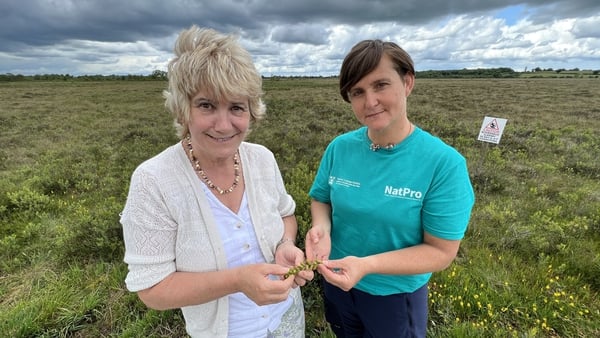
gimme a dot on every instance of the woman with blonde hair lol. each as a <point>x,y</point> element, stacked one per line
<point>208,224</point>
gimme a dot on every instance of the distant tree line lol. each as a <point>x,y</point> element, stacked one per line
<point>562,70</point>
<point>155,75</point>
<point>502,72</point>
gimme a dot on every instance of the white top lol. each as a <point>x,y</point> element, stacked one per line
<point>168,225</point>
<point>241,248</point>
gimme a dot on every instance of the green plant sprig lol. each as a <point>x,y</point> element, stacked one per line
<point>306,265</point>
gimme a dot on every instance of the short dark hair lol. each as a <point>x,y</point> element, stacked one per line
<point>364,57</point>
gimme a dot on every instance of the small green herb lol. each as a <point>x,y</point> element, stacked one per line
<point>306,265</point>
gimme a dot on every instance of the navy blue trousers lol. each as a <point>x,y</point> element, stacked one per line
<point>357,314</point>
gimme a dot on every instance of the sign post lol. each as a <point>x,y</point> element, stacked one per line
<point>491,129</point>
<point>490,132</point>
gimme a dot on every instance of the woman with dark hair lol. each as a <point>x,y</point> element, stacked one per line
<point>390,203</point>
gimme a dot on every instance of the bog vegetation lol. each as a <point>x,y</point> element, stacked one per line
<point>528,267</point>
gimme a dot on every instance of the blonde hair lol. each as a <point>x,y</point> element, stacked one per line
<point>213,62</point>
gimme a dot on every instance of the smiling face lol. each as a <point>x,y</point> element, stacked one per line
<point>217,127</point>
<point>206,60</point>
<point>379,100</point>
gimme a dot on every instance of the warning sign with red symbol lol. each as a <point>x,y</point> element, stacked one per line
<point>491,129</point>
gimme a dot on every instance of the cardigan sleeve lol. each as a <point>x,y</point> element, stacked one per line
<point>149,233</point>
<point>287,205</point>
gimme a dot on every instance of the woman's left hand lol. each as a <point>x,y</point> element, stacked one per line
<point>289,255</point>
<point>344,273</point>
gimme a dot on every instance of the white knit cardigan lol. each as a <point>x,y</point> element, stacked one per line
<point>168,225</point>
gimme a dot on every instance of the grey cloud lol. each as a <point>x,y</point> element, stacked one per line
<point>55,32</point>
<point>549,10</point>
<point>302,33</point>
<point>360,12</point>
<point>40,22</point>
<point>587,28</point>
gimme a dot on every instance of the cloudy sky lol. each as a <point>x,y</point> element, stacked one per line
<point>298,37</point>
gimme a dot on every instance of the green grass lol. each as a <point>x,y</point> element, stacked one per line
<point>528,267</point>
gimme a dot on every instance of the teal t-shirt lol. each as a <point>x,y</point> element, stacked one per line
<point>384,200</point>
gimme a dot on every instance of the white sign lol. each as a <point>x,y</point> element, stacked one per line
<point>491,129</point>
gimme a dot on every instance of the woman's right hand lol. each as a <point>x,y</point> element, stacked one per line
<point>264,283</point>
<point>317,244</point>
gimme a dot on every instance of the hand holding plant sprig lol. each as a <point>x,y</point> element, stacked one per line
<point>304,266</point>
<point>288,254</point>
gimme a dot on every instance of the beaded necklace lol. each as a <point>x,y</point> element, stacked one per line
<point>209,183</point>
<point>375,146</point>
